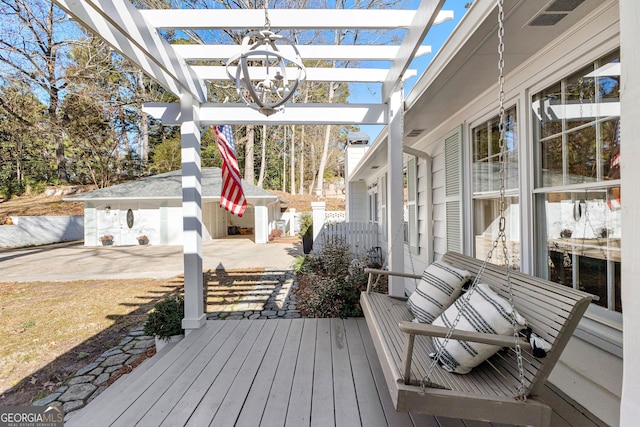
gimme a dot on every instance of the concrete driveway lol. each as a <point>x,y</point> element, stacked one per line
<point>73,261</point>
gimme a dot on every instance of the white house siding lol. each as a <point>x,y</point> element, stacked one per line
<point>587,373</point>
<point>358,200</point>
<point>174,223</point>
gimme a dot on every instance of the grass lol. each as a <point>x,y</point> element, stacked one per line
<point>49,330</point>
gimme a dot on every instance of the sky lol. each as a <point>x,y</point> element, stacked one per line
<point>366,93</point>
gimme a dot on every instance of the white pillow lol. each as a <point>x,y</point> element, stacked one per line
<point>485,312</point>
<point>441,284</point>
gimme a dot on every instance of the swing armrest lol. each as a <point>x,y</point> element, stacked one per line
<point>391,273</point>
<point>373,271</point>
<point>412,329</point>
<point>425,329</point>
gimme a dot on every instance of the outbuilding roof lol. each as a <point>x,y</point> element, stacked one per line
<point>169,186</point>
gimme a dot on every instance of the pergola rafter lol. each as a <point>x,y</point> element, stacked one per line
<point>285,19</point>
<point>308,52</point>
<point>122,26</point>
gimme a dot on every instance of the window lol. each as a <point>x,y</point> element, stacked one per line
<point>410,207</point>
<point>486,166</point>
<point>383,205</point>
<point>373,204</point>
<point>577,180</point>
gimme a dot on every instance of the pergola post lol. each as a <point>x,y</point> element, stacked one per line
<point>630,176</point>
<point>395,218</point>
<point>194,316</point>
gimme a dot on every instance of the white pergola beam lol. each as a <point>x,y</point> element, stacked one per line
<point>352,75</point>
<point>121,25</point>
<point>293,114</point>
<point>307,52</point>
<point>423,20</point>
<point>289,19</point>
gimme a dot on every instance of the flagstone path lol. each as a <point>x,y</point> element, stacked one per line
<point>230,295</point>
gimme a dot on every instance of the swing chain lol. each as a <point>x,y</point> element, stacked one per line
<point>501,238</point>
<point>502,225</point>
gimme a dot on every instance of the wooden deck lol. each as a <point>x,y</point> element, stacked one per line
<point>301,372</point>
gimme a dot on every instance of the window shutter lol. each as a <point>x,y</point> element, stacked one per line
<point>412,199</point>
<point>453,189</point>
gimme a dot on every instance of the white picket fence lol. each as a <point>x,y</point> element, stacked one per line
<point>362,237</point>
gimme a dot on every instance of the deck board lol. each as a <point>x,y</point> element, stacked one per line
<point>189,401</point>
<point>233,401</point>
<point>322,404</point>
<point>270,373</point>
<point>393,418</point>
<point>275,411</point>
<point>299,410</point>
<point>218,389</point>
<point>256,401</point>
<point>156,409</point>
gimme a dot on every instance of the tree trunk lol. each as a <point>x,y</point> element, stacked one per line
<point>314,168</point>
<point>284,160</point>
<point>263,157</point>
<point>249,173</point>
<point>301,161</point>
<point>144,137</point>
<point>292,168</point>
<point>325,149</point>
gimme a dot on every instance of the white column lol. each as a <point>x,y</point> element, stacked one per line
<point>194,316</point>
<point>317,214</point>
<point>630,176</point>
<point>292,221</point>
<point>395,187</point>
<point>261,223</point>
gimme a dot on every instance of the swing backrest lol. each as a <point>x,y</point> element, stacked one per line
<point>552,311</point>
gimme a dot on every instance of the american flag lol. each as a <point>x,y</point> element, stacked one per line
<point>232,195</point>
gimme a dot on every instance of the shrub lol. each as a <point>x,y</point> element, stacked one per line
<point>276,233</point>
<point>306,225</point>
<point>166,318</point>
<point>330,283</point>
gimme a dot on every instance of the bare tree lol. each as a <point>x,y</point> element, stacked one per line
<point>35,39</point>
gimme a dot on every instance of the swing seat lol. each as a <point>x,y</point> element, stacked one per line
<point>489,392</point>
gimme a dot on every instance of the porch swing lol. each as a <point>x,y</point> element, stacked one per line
<point>505,387</point>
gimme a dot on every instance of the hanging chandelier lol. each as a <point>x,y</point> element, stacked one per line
<point>276,65</point>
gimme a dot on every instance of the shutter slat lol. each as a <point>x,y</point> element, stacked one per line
<point>453,190</point>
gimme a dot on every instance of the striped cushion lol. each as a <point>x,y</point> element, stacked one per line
<point>485,312</point>
<point>441,284</point>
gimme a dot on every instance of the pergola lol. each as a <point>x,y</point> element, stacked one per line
<point>135,34</point>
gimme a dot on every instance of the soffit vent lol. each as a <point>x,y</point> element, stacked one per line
<point>554,12</point>
<point>547,19</point>
<point>563,5</point>
<point>414,132</point>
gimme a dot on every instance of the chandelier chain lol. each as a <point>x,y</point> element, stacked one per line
<point>267,21</point>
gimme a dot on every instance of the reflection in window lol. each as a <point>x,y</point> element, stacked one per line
<point>486,189</point>
<point>577,137</point>
<point>486,154</point>
<point>583,242</point>
<point>575,124</point>
<point>486,223</point>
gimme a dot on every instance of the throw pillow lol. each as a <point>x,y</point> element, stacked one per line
<point>441,284</point>
<point>485,312</point>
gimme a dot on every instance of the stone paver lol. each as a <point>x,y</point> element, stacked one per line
<point>90,381</point>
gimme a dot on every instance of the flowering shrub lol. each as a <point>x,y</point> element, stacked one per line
<point>276,233</point>
<point>330,283</point>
